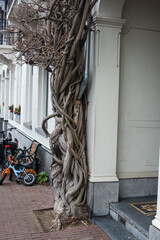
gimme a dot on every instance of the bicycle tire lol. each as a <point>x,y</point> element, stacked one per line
<point>5,162</point>
<point>10,175</point>
<point>2,179</point>
<point>29,178</point>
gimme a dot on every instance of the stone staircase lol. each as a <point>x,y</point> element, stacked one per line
<point>125,222</point>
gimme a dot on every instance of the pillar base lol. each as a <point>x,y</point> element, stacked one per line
<point>100,195</point>
<point>1,124</point>
<point>154,233</point>
<point>5,124</point>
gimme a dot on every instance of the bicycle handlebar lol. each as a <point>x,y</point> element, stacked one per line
<point>8,139</point>
<point>9,129</point>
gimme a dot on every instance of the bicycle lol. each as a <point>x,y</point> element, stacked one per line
<point>27,176</point>
<point>5,144</point>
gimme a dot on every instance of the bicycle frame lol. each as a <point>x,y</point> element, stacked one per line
<point>26,176</point>
<point>17,173</point>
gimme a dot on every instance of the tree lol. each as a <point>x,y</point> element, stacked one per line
<point>52,34</point>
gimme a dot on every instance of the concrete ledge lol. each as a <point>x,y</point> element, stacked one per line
<point>27,125</point>
<point>5,123</point>
<point>40,131</point>
<point>154,233</point>
<point>138,187</point>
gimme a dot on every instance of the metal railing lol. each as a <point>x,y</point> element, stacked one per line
<point>6,38</point>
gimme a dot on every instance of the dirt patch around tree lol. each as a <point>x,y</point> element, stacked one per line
<point>46,219</point>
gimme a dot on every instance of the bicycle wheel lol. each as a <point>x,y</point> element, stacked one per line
<point>10,175</point>
<point>29,178</point>
<point>5,162</point>
<point>3,177</point>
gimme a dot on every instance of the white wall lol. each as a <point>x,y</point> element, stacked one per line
<point>139,111</point>
<point>21,96</point>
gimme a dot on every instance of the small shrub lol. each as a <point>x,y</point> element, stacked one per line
<point>42,177</point>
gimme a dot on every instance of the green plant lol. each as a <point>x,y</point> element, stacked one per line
<point>17,110</point>
<point>42,177</point>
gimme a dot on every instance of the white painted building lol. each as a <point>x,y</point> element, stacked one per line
<point>124,95</point>
<point>27,89</point>
<point>124,98</point>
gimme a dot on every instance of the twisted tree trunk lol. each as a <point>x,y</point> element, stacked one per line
<point>67,141</point>
<point>52,34</point>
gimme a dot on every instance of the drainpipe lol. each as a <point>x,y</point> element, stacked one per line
<point>84,81</point>
<point>86,67</point>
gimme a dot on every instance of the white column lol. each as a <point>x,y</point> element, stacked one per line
<point>16,87</point>
<point>0,92</point>
<point>10,88</point>
<point>24,93</point>
<point>2,97</point>
<point>156,221</point>
<point>40,95</point>
<point>51,122</point>
<point>12,85</point>
<point>6,98</point>
<point>103,92</point>
<point>35,97</point>
<point>1,88</point>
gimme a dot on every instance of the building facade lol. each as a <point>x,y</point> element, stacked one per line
<point>123,111</point>
<point>24,97</point>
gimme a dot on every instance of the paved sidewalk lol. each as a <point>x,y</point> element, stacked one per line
<point>18,222</point>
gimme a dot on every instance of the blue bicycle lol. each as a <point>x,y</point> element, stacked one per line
<point>26,176</point>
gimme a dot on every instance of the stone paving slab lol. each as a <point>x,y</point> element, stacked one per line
<point>18,222</point>
<point>115,230</point>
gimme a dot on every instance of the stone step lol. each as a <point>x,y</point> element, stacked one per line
<point>133,220</point>
<point>113,229</point>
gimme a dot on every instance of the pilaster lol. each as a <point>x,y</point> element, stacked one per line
<point>103,99</point>
<point>24,93</point>
<point>6,97</point>
<point>35,98</point>
<point>2,97</point>
<point>103,96</point>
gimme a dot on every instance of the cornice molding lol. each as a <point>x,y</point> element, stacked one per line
<point>108,22</point>
<point>94,178</point>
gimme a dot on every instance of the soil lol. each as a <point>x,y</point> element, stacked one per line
<point>46,219</point>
